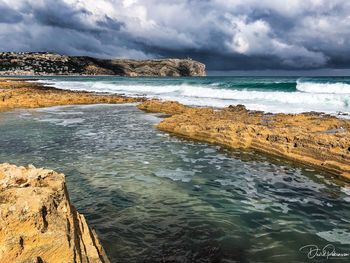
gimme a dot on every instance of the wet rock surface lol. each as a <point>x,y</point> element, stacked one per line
<point>311,138</point>
<point>16,93</point>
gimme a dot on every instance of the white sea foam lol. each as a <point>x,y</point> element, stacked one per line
<point>62,122</point>
<point>341,236</point>
<point>333,88</point>
<point>304,99</point>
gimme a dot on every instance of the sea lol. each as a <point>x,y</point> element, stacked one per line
<point>154,197</point>
<point>270,94</point>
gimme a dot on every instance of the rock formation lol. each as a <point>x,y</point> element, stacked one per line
<point>21,94</point>
<point>311,138</point>
<point>38,222</point>
<point>22,63</point>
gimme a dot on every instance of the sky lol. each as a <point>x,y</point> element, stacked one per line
<point>224,34</point>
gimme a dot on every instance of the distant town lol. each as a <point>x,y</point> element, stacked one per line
<point>37,63</point>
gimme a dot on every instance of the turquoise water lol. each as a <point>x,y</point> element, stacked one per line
<point>157,198</point>
<point>270,94</point>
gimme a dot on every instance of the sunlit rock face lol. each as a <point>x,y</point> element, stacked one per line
<point>38,223</point>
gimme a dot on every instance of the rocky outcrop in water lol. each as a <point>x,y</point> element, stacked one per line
<point>54,64</point>
<point>38,222</point>
<point>311,138</point>
<point>20,94</point>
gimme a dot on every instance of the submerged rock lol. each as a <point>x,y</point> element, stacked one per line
<point>38,223</point>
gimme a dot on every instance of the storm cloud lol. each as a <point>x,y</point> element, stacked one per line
<point>224,34</point>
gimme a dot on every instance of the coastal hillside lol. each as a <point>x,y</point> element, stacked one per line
<point>41,64</point>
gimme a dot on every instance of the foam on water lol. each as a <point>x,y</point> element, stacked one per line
<point>329,88</point>
<point>157,198</point>
<point>308,96</point>
<point>341,236</point>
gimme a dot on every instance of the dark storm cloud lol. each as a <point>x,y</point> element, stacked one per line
<point>110,23</point>
<point>225,34</point>
<point>7,15</point>
<point>59,14</point>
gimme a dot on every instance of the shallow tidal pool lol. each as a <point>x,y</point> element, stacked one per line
<point>157,198</point>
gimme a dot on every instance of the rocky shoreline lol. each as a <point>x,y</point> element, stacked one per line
<point>315,139</point>
<point>312,138</point>
<point>38,223</point>
<point>18,93</point>
<point>35,206</point>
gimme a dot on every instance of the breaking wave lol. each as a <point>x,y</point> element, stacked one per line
<point>332,88</point>
<point>307,96</point>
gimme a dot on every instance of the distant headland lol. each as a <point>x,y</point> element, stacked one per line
<point>45,63</point>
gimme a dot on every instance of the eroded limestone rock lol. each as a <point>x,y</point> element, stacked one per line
<point>312,138</point>
<point>15,93</point>
<point>37,221</point>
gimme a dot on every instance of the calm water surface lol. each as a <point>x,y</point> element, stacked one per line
<point>156,198</point>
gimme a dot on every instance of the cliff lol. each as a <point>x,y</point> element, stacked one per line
<point>315,139</point>
<point>38,222</point>
<point>54,64</point>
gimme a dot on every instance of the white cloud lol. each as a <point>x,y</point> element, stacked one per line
<point>257,38</point>
<point>248,37</point>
